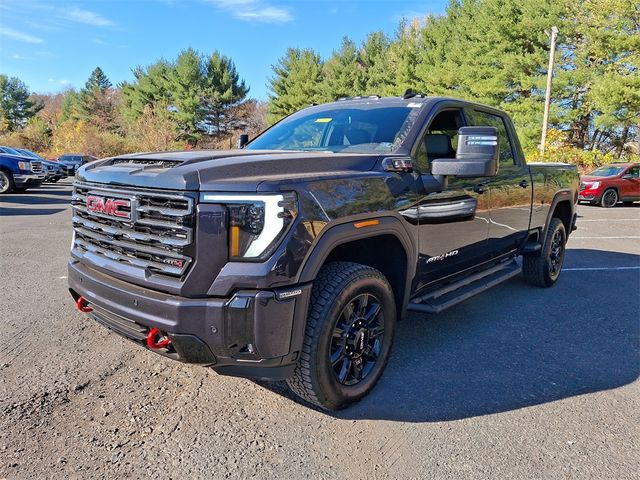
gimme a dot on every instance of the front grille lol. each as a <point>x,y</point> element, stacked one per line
<point>157,237</point>
<point>36,167</point>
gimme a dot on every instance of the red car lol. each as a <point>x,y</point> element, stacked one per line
<point>610,184</point>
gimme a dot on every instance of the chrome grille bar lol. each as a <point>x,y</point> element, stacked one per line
<point>157,237</point>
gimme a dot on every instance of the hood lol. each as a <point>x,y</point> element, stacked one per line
<point>220,170</point>
<point>589,178</point>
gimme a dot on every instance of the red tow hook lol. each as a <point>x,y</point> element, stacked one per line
<point>83,305</point>
<point>162,341</point>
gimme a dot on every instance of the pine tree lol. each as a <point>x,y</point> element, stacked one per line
<point>223,90</point>
<point>342,74</point>
<point>16,107</point>
<point>150,88</point>
<point>297,83</point>
<point>96,102</point>
<point>186,83</point>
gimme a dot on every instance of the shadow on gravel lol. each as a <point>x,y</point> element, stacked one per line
<point>29,198</point>
<point>14,212</point>
<point>512,347</point>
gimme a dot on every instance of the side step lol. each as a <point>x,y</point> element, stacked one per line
<point>454,293</point>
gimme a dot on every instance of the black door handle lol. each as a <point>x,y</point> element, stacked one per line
<point>524,184</point>
<point>480,188</point>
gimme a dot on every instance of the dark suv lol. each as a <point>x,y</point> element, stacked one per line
<point>294,257</point>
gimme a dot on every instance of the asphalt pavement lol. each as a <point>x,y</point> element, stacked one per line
<point>519,382</point>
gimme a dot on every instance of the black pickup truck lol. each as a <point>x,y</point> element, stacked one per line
<point>293,257</point>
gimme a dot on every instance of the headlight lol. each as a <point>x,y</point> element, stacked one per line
<point>256,222</point>
<point>591,185</point>
<point>24,165</point>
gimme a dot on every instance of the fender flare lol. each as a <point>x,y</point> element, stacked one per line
<point>345,232</point>
<point>564,195</point>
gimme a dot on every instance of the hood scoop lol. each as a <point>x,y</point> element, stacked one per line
<point>143,163</point>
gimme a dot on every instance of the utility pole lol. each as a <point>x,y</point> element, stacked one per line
<point>547,97</point>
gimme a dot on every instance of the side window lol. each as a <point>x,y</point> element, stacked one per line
<point>634,171</point>
<point>440,139</point>
<point>484,119</point>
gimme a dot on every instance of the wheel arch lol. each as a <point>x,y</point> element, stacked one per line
<point>562,207</point>
<point>345,242</point>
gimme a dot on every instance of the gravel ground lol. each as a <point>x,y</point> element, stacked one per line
<point>517,383</point>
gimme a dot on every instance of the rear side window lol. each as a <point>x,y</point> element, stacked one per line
<point>634,171</point>
<point>484,119</point>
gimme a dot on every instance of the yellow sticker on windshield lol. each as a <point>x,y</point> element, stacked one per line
<point>323,120</point>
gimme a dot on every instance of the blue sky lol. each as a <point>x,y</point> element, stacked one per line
<point>52,45</point>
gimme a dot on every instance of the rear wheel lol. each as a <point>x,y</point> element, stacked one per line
<point>544,270</point>
<point>6,182</point>
<point>609,198</point>
<point>348,336</point>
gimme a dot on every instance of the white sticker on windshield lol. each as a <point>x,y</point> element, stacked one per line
<point>414,105</point>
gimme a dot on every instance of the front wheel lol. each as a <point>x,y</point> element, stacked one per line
<point>348,336</point>
<point>6,182</point>
<point>609,198</point>
<point>544,270</point>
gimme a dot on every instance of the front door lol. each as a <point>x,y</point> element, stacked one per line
<point>453,222</point>
<point>630,186</point>
<point>510,190</point>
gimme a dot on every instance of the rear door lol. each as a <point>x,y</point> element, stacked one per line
<point>511,190</point>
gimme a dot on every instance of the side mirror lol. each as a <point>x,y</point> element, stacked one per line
<point>628,176</point>
<point>477,155</point>
<point>243,140</point>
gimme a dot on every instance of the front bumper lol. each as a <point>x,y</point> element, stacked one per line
<point>28,179</point>
<point>252,334</point>
<point>589,196</point>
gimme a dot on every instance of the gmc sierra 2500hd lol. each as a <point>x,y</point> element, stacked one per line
<point>294,256</point>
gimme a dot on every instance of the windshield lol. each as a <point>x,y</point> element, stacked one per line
<point>606,171</point>
<point>70,159</point>
<point>31,154</point>
<point>364,129</point>
<point>10,151</point>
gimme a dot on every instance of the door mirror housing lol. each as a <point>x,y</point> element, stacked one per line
<point>243,140</point>
<point>477,155</point>
<point>628,176</point>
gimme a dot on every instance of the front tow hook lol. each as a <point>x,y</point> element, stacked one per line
<point>83,305</point>
<point>156,339</point>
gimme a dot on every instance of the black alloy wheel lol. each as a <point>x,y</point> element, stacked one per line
<point>357,339</point>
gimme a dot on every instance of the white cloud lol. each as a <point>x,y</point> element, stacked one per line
<point>85,16</point>
<point>254,11</point>
<point>22,37</point>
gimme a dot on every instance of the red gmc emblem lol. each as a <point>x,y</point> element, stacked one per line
<point>113,207</point>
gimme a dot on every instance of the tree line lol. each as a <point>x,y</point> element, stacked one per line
<point>491,51</point>
<point>192,101</point>
<point>495,52</point>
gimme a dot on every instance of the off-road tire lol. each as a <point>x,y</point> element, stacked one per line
<point>6,182</point>
<point>537,269</point>
<point>609,198</point>
<point>337,285</point>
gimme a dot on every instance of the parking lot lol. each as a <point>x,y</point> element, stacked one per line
<point>518,382</point>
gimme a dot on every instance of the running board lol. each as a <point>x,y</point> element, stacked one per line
<point>454,293</point>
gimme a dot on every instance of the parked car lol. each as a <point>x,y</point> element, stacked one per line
<point>53,172</point>
<point>610,184</point>
<point>294,257</point>
<point>17,173</point>
<point>71,162</point>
